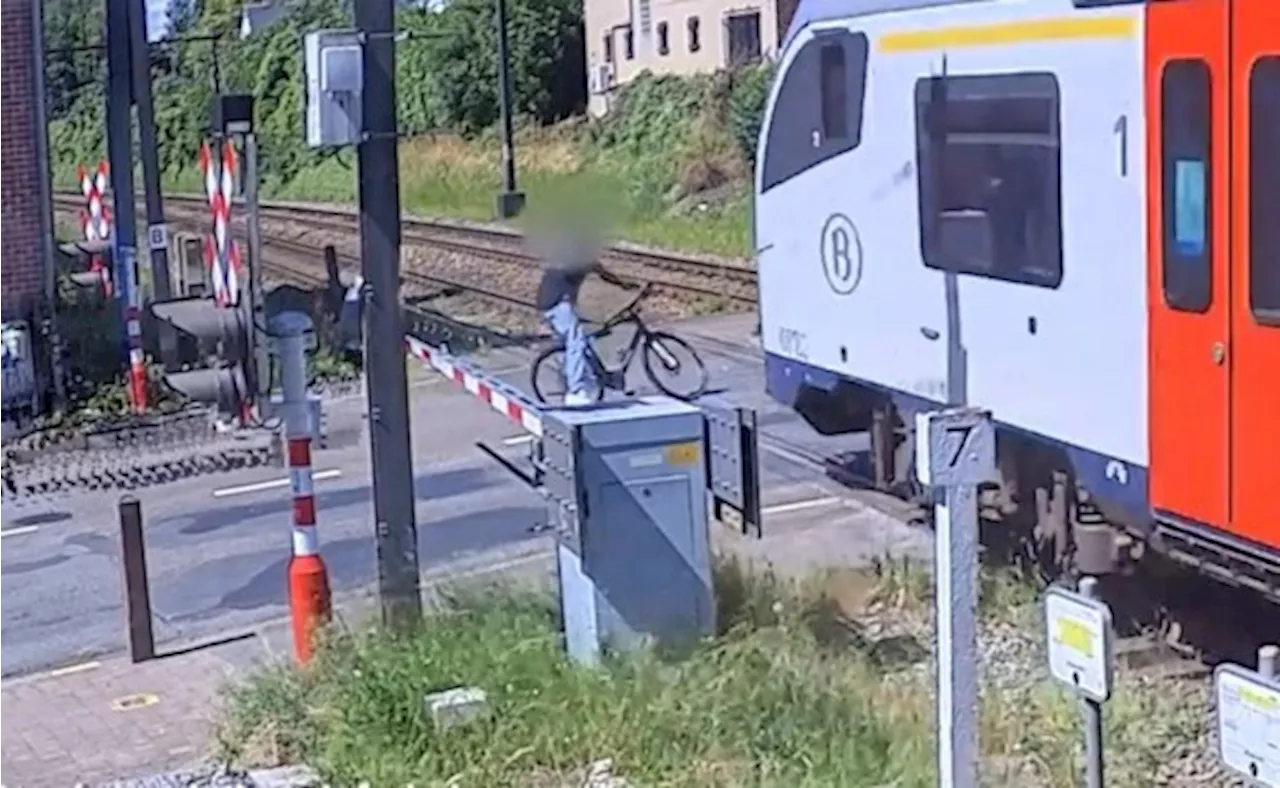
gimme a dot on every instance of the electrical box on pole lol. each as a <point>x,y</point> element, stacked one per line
<point>222,333</point>
<point>335,84</point>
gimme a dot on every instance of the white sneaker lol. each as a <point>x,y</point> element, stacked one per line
<point>577,398</point>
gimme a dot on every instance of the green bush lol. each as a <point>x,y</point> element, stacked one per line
<point>746,107</point>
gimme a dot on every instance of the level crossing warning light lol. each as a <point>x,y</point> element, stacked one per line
<point>226,332</point>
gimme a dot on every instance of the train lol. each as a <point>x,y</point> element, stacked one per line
<point>1065,212</point>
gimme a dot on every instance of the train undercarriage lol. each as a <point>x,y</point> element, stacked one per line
<point>1038,513</point>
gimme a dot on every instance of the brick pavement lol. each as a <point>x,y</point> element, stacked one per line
<point>78,724</point>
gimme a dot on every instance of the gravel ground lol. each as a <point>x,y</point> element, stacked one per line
<point>509,277</point>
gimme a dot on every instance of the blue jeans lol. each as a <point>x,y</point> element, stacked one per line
<point>579,377</point>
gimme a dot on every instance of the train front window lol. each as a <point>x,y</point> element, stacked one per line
<point>1186,172</point>
<point>817,113</point>
<point>1264,190</point>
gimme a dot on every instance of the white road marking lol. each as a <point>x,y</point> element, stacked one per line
<point>796,506</point>
<point>70,669</point>
<point>25,529</point>
<point>517,440</point>
<point>271,484</point>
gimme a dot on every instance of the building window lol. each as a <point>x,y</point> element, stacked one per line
<point>695,40</point>
<point>834,94</point>
<point>1186,173</point>
<point>744,39</point>
<point>988,161</point>
<point>608,47</point>
<point>664,43</point>
<point>629,44</point>
<point>1264,190</point>
<point>817,114</point>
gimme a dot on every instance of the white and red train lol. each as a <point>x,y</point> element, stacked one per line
<point>1064,211</point>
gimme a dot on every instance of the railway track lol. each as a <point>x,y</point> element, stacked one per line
<point>679,276</point>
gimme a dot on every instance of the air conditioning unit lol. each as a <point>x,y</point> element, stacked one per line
<point>601,78</point>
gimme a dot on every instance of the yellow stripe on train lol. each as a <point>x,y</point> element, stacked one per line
<point>1005,33</point>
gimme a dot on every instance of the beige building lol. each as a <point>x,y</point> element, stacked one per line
<point>627,37</point>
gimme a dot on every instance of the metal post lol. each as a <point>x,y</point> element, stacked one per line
<point>956,573</point>
<point>157,233</point>
<point>309,595</point>
<point>1092,712</point>
<point>120,151</point>
<point>510,201</point>
<point>49,242</point>
<point>386,385</point>
<point>955,452</point>
<point>1269,661</point>
<point>137,597</point>
<point>261,360</point>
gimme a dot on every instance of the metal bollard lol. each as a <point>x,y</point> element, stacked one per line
<point>310,599</point>
<point>137,595</point>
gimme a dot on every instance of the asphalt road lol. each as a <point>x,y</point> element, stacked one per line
<point>218,546</point>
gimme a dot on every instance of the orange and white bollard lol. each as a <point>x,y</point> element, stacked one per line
<point>137,363</point>
<point>309,595</point>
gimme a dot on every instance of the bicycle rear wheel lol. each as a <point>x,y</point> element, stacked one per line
<point>547,377</point>
<point>666,358</point>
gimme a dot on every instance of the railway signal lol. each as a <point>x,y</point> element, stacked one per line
<point>227,384</point>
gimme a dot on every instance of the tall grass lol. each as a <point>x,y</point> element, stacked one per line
<point>795,691</point>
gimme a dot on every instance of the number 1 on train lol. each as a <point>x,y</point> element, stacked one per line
<point>1121,130</point>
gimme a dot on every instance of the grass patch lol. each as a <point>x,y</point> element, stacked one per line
<point>451,177</point>
<point>799,689</point>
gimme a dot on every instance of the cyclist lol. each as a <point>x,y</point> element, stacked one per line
<point>563,273</point>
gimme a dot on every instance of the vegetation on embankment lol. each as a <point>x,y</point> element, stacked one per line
<point>669,166</point>
<point>824,683</point>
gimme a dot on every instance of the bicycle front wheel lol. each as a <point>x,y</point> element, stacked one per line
<point>547,377</point>
<point>674,366</point>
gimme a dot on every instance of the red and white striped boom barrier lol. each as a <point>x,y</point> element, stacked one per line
<point>505,399</point>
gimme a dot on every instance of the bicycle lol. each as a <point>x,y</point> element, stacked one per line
<point>656,345</point>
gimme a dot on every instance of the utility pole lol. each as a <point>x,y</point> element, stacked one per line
<point>120,154</point>
<point>257,293</point>
<point>385,383</point>
<point>510,201</point>
<point>157,232</point>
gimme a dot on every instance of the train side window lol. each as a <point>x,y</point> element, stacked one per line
<point>817,113</point>
<point>1264,190</point>
<point>989,160</point>
<point>1186,173</point>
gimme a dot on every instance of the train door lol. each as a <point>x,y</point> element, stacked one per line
<point>1188,299</point>
<point>1255,270</point>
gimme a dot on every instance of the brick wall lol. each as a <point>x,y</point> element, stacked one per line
<point>22,244</point>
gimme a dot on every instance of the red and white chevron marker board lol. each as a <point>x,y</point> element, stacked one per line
<point>221,253</point>
<point>501,397</point>
<point>95,220</point>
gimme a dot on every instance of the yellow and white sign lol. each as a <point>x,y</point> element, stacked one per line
<point>1249,724</point>
<point>1079,630</point>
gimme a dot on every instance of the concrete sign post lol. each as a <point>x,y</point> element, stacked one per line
<point>955,452</point>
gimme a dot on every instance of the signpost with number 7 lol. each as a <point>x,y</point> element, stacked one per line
<point>956,452</point>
